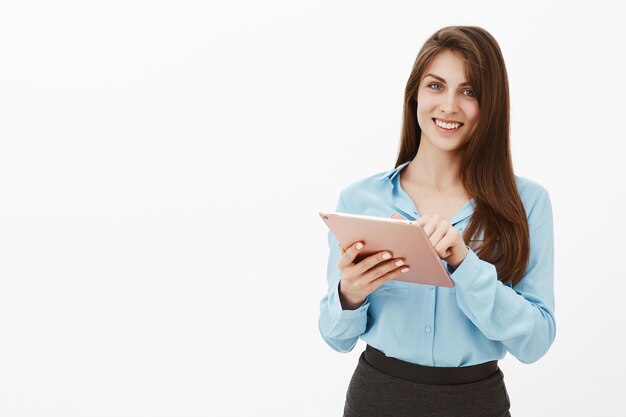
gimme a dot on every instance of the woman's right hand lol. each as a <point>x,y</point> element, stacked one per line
<point>361,279</point>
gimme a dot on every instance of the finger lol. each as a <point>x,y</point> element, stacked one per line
<point>441,229</point>
<point>430,225</point>
<point>444,246</point>
<point>350,254</point>
<point>397,216</point>
<point>384,268</point>
<point>423,220</point>
<point>341,247</point>
<point>394,273</point>
<point>373,261</point>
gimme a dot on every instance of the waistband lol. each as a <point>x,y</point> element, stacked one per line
<point>433,375</point>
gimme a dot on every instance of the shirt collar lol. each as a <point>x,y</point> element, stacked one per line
<point>391,174</point>
<point>464,213</point>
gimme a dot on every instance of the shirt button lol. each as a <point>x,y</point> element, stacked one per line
<point>431,287</point>
<point>427,329</point>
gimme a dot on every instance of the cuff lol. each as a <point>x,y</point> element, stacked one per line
<point>467,273</point>
<point>347,321</point>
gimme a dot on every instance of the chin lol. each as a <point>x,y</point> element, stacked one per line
<point>447,144</point>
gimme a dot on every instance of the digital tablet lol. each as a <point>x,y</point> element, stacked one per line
<point>403,238</point>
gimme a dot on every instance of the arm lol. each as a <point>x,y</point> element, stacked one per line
<point>522,318</point>
<point>339,328</point>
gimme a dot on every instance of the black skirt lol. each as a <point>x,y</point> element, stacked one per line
<point>373,392</point>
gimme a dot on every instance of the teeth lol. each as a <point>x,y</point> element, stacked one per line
<point>447,125</point>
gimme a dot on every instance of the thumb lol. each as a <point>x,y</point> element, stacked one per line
<point>341,247</point>
<point>397,216</point>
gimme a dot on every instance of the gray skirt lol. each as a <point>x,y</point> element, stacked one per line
<point>374,393</point>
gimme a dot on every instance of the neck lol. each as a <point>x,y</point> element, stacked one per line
<point>434,169</point>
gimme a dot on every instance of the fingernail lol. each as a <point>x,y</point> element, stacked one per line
<point>404,269</point>
<point>386,256</point>
<point>359,245</point>
<point>399,263</point>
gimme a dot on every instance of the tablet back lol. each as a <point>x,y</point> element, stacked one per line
<point>403,238</point>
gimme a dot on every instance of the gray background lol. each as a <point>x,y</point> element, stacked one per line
<point>162,165</point>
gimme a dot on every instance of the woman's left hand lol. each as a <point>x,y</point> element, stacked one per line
<point>447,241</point>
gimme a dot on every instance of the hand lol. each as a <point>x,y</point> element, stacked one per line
<point>447,241</point>
<point>361,279</point>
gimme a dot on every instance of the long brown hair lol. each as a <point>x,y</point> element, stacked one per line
<point>486,165</point>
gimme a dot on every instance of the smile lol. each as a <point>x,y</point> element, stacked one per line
<point>447,126</point>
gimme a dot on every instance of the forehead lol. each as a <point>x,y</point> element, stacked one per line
<point>448,65</point>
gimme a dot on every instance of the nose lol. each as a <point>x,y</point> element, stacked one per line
<point>449,103</point>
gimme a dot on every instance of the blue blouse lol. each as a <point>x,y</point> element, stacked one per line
<point>480,319</point>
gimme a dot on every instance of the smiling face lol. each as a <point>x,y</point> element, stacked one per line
<point>447,109</point>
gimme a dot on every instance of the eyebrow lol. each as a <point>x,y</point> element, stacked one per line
<point>442,80</point>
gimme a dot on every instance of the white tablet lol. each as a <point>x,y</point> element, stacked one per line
<point>403,238</point>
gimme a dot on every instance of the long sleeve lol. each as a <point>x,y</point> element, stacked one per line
<point>339,328</point>
<point>520,317</point>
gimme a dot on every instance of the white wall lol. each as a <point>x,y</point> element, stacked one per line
<point>162,165</point>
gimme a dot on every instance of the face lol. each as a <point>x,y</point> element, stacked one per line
<point>444,96</point>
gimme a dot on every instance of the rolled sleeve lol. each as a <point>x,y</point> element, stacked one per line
<point>521,317</point>
<point>338,327</point>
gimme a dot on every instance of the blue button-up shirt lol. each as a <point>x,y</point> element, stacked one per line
<point>478,320</point>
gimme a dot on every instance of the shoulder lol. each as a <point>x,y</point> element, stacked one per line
<point>529,189</point>
<point>531,192</point>
<point>367,187</point>
<point>367,184</point>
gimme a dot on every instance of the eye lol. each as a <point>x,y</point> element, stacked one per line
<point>437,84</point>
<point>471,93</point>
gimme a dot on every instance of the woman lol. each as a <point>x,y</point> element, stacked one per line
<point>434,350</point>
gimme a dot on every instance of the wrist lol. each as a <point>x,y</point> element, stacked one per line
<point>348,303</point>
<point>456,262</point>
